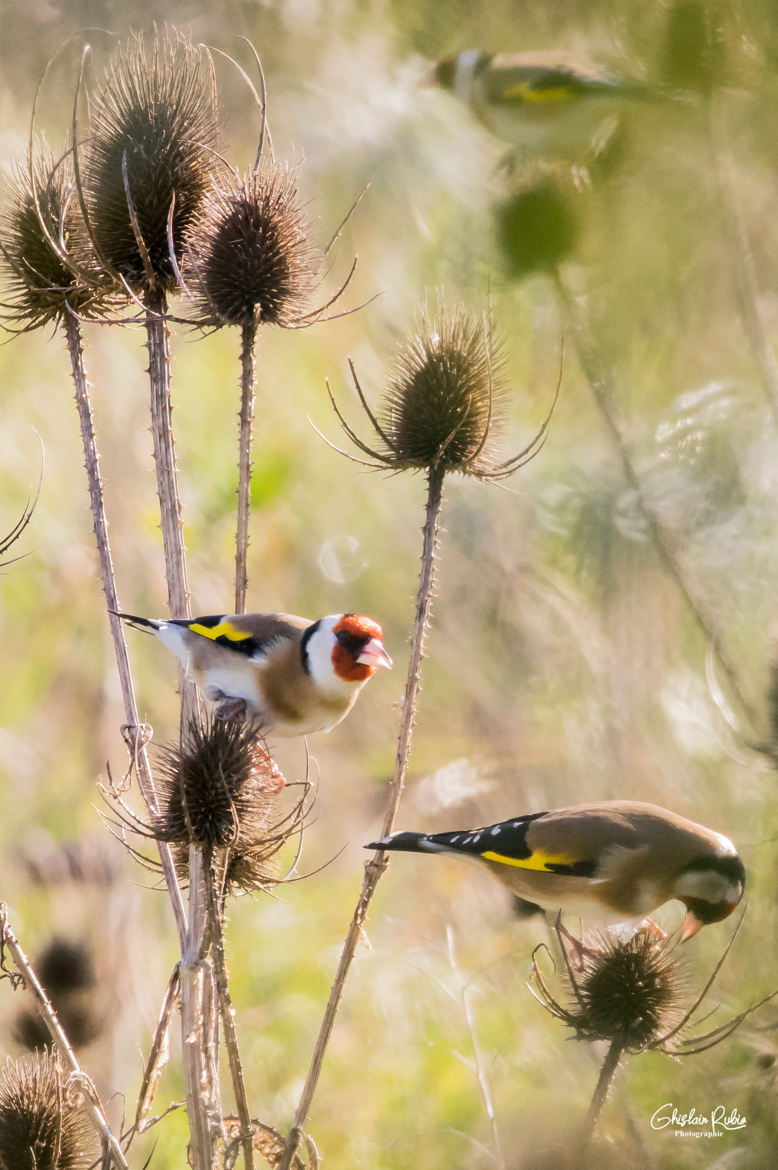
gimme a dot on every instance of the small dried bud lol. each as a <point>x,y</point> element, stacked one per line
<point>249,259</point>
<point>439,411</point>
<point>153,132</point>
<point>39,1128</point>
<point>215,788</point>
<point>39,230</point>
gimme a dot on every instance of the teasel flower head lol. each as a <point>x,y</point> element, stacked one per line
<point>249,258</point>
<point>215,786</point>
<point>48,265</point>
<point>443,408</point>
<point>220,789</point>
<point>67,974</point>
<point>41,1128</point>
<point>634,993</point>
<point>148,158</point>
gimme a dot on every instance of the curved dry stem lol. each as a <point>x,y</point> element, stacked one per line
<point>378,863</point>
<point>599,383</point>
<point>113,1155</point>
<point>135,734</point>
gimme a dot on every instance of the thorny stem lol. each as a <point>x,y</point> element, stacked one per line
<point>246,434</point>
<point>609,1066</point>
<point>378,863</point>
<point>92,1103</point>
<point>216,924</point>
<point>599,383</point>
<point>137,744</point>
<point>200,1054</point>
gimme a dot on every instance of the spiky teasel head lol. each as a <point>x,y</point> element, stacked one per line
<point>40,1127</point>
<point>630,991</point>
<point>443,408</point>
<point>249,259</point>
<point>149,155</point>
<point>215,787</point>
<point>43,245</point>
<point>625,991</point>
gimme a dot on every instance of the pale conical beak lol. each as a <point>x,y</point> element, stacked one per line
<point>691,925</point>
<point>373,654</point>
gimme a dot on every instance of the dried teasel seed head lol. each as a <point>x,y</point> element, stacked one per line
<point>537,228</point>
<point>249,258</point>
<point>629,991</point>
<point>40,231</point>
<point>441,410</point>
<point>215,787</point>
<point>39,1128</point>
<point>152,137</point>
<point>65,966</point>
<point>251,868</point>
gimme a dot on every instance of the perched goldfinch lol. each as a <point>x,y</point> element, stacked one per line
<point>296,676</point>
<point>616,861</point>
<point>541,103</point>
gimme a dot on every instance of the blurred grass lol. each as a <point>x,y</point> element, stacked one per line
<point>563,665</point>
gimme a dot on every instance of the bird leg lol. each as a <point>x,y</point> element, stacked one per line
<point>578,952</point>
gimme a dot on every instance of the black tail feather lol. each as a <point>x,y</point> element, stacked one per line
<point>138,623</point>
<point>406,842</point>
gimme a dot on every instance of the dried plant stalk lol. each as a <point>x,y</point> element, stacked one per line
<point>599,382</point>
<point>134,731</point>
<point>378,863</point>
<point>599,1097</point>
<point>245,439</point>
<point>113,1155</point>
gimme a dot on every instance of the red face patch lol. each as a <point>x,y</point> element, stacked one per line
<point>358,625</point>
<point>352,632</point>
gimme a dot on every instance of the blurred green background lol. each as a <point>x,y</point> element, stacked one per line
<point>564,664</point>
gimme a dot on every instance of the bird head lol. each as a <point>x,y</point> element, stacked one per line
<point>710,888</point>
<point>345,649</point>
<point>455,73</point>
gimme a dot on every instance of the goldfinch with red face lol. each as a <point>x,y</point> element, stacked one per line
<point>616,861</point>
<point>294,675</point>
<point>540,102</point>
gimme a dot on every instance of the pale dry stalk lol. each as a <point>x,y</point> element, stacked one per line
<point>599,381</point>
<point>245,439</point>
<point>113,1155</point>
<point>599,1097</point>
<point>135,733</point>
<point>378,863</point>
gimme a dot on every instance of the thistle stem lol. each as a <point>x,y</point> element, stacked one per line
<point>199,1020</point>
<point>113,1155</point>
<point>216,923</point>
<point>134,730</point>
<point>245,439</point>
<point>607,1072</point>
<point>600,385</point>
<point>378,863</point>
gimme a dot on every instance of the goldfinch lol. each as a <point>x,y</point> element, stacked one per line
<point>616,861</point>
<point>294,675</point>
<point>542,103</point>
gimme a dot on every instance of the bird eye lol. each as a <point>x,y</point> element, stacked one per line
<point>351,642</point>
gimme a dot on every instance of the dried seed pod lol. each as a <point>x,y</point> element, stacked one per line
<point>149,155</point>
<point>630,991</point>
<point>249,259</point>
<point>443,409</point>
<point>40,1129</point>
<point>215,787</point>
<point>44,250</point>
<point>439,411</point>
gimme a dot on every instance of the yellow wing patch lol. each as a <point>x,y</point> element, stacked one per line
<point>225,629</point>
<point>526,93</point>
<point>536,860</point>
